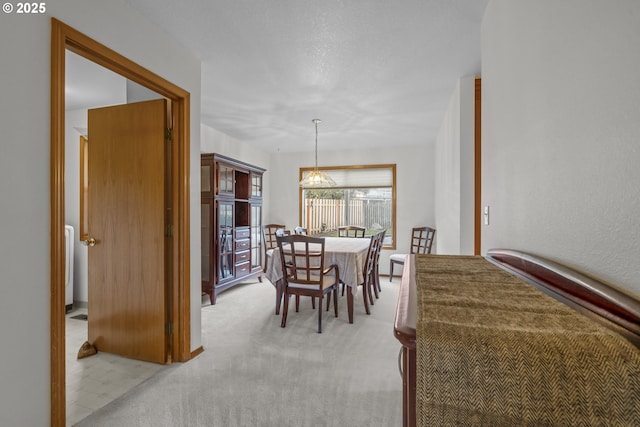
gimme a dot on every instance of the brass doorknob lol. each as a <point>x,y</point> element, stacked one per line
<point>90,241</point>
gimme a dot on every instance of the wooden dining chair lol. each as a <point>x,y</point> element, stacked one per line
<point>284,232</point>
<point>304,273</point>
<point>269,238</point>
<point>421,242</point>
<point>351,231</point>
<point>369,271</point>
<point>377,288</point>
<point>268,244</point>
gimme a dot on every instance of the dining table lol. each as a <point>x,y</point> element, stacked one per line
<point>348,253</point>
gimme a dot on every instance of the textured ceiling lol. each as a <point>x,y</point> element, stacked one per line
<point>377,72</point>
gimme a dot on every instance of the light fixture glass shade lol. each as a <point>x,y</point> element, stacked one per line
<point>317,178</point>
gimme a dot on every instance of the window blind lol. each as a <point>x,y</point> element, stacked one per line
<point>369,177</point>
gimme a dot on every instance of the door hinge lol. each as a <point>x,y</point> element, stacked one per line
<point>169,134</point>
<point>169,328</point>
<point>168,231</point>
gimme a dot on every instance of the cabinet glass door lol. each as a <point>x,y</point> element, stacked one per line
<point>206,241</point>
<point>226,178</point>
<point>225,241</point>
<point>256,226</point>
<point>256,185</point>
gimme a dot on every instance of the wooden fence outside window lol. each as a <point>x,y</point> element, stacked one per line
<point>324,216</point>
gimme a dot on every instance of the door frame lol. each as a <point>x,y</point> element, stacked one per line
<point>63,38</point>
<point>477,161</point>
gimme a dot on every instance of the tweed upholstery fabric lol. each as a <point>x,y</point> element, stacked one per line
<point>494,350</point>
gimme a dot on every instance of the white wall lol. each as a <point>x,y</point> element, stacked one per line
<point>24,181</point>
<point>454,172</point>
<point>414,183</point>
<point>561,131</point>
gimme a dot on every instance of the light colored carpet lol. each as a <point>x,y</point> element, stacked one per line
<point>255,373</point>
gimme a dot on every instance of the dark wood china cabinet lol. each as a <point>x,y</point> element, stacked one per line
<point>231,209</point>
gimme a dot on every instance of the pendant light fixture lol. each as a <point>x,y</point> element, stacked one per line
<point>317,178</point>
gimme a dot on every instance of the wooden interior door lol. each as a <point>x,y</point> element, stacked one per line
<point>127,312</point>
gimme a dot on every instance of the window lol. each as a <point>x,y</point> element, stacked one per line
<point>365,195</point>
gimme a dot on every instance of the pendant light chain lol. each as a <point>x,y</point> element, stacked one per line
<point>316,178</point>
<point>316,121</point>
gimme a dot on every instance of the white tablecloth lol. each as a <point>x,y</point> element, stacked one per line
<point>347,252</point>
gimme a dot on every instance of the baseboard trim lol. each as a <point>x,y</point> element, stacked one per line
<point>80,304</point>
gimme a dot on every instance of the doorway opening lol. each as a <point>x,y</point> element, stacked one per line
<point>65,38</point>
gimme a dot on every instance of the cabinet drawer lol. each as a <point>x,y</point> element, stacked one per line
<point>242,245</point>
<point>242,233</point>
<point>242,269</point>
<point>242,256</point>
